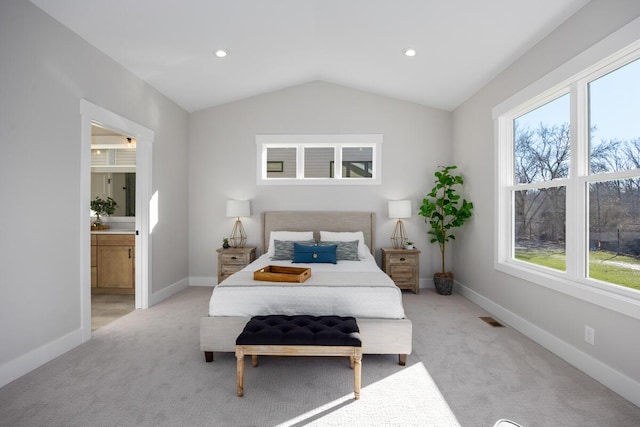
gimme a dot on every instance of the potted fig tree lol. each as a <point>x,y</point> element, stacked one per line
<point>444,210</point>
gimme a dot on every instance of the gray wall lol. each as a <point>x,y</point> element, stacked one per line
<point>46,69</point>
<point>552,318</point>
<point>222,163</point>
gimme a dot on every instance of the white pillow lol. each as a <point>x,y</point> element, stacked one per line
<point>293,236</point>
<point>347,236</point>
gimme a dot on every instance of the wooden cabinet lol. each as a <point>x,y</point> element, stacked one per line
<point>403,266</point>
<point>233,259</point>
<point>113,263</point>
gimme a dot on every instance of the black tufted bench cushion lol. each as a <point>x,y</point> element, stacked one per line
<point>301,335</point>
<point>301,330</point>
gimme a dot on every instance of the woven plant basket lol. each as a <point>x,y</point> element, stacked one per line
<point>443,283</point>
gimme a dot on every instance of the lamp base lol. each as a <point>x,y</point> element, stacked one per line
<point>238,236</point>
<point>399,236</point>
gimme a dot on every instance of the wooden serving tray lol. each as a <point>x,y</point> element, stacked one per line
<point>275,273</point>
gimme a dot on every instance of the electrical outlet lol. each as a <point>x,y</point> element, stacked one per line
<point>589,335</point>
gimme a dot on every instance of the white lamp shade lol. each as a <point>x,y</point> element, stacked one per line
<point>238,208</point>
<point>399,209</point>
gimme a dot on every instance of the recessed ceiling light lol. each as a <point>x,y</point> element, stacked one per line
<point>221,53</point>
<point>409,52</point>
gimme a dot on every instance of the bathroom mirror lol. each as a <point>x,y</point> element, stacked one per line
<point>121,186</point>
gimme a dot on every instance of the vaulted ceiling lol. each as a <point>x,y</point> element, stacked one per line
<point>272,44</point>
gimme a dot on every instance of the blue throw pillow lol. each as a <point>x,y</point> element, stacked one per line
<point>313,254</point>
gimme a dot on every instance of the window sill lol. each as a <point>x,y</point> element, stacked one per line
<point>619,299</point>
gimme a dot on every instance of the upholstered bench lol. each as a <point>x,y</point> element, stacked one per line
<point>301,335</point>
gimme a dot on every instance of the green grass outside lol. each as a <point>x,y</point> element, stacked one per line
<point>598,268</point>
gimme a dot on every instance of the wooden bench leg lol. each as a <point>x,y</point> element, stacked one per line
<point>254,360</point>
<point>240,370</point>
<point>357,374</point>
<point>208,356</point>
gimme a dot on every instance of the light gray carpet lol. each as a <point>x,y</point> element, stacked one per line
<point>146,369</point>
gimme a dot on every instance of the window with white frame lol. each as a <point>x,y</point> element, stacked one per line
<point>311,159</point>
<point>569,181</point>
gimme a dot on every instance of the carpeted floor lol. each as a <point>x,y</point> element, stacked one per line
<point>146,369</point>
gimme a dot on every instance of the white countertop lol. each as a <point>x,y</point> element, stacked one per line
<point>113,231</point>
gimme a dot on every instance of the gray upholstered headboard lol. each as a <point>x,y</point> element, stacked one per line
<point>316,221</point>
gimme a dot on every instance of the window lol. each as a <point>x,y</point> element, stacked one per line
<point>569,182</point>
<point>541,165</point>
<point>311,159</point>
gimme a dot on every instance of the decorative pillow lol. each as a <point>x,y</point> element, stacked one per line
<point>283,249</point>
<point>294,236</point>
<point>346,251</point>
<point>313,254</point>
<point>347,236</point>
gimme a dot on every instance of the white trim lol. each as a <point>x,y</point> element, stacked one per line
<point>337,141</point>
<point>612,299</point>
<point>615,380</point>
<point>165,293</point>
<point>203,281</point>
<point>92,113</point>
<point>26,363</point>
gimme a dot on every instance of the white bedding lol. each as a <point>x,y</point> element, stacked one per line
<point>348,288</point>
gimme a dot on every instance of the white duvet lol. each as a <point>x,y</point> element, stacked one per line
<point>348,288</point>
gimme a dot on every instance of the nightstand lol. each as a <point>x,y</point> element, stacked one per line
<point>233,259</point>
<point>403,266</point>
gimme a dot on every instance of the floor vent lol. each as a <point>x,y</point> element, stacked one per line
<point>493,322</point>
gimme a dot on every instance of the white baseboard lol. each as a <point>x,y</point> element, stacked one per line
<point>165,293</point>
<point>26,363</point>
<point>203,281</point>
<point>604,374</point>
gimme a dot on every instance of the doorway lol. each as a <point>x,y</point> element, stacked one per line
<point>95,115</point>
<point>113,184</point>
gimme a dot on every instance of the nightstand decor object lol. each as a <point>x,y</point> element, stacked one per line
<point>237,209</point>
<point>399,209</point>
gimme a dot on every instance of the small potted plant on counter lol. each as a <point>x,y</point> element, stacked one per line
<point>102,207</point>
<point>443,209</point>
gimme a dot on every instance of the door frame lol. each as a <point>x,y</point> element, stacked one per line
<point>90,114</point>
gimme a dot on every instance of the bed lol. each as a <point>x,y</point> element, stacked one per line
<point>357,288</point>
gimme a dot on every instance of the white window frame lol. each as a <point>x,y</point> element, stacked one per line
<point>337,142</point>
<point>573,77</point>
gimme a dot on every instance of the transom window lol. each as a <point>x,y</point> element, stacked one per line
<point>311,159</point>
<point>569,181</point>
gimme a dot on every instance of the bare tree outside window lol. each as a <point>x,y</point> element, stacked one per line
<point>541,155</point>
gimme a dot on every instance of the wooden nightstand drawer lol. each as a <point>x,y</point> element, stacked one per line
<point>234,258</point>
<point>229,269</point>
<point>403,259</point>
<point>401,272</point>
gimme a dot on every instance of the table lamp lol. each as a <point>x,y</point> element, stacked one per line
<point>399,209</point>
<point>237,209</point>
